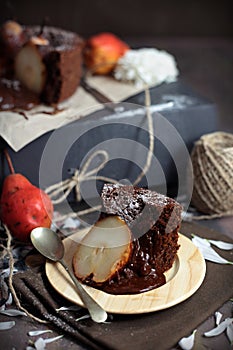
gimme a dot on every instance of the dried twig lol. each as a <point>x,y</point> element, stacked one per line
<point>12,289</point>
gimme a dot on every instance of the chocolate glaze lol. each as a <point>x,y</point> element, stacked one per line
<point>59,39</point>
<point>133,284</point>
<point>138,275</point>
<point>14,96</point>
<point>154,220</point>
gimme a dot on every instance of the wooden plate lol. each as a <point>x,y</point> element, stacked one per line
<point>183,280</point>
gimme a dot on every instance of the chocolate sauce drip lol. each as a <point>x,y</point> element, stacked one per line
<point>140,274</point>
<point>154,220</point>
<point>133,284</point>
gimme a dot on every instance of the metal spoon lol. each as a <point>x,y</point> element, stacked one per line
<point>51,246</point>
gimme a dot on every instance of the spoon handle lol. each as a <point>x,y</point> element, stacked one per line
<point>96,312</point>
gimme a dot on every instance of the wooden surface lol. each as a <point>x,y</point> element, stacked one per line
<point>183,279</point>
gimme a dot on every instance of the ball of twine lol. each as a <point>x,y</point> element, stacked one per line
<point>212,159</point>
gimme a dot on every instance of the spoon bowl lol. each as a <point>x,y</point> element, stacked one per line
<point>49,244</point>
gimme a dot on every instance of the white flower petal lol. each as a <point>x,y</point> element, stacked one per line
<point>6,325</point>
<point>146,65</point>
<point>208,252</point>
<point>40,344</point>
<point>39,332</point>
<point>69,308</point>
<point>6,271</point>
<point>199,241</point>
<point>221,244</point>
<point>71,223</point>
<point>230,333</point>
<point>211,255</point>
<point>82,318</point>
<point>219,329</point>
<point>218,317</point>
<point>50,340</point>
<point>9,300</point>
<point>187,342</point>
<point>13,312</point>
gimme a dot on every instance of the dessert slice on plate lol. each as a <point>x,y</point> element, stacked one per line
<point>128,250</point>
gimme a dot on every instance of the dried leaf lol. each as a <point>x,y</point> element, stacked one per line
<point>230,333</point>
<point>6,325</point>
<point>13,312</point>
<point>221,244</point>
<point>187,342</point>
<point>219,329</point>
<point>208,252</point>
<point>218,317</point>
<point>39,332</point>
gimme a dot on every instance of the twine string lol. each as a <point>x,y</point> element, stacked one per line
<point>8,250</point>
<point>59,192</point>
<point>151,136</point>
<point>194,217</point>
<point>213,179</point>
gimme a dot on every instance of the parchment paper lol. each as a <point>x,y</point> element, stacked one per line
<point>18,131</point>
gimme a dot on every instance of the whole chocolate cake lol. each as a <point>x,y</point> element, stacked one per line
<point>153,220</point>
<point>46,61</point>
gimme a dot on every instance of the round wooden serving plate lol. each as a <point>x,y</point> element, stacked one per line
<point>183,279</point>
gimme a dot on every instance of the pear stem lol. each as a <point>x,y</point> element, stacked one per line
<point>9,162</point>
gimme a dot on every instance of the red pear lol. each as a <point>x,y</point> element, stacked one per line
<point>102,52</point>
<point>12,38</point>
<point>24,206</point>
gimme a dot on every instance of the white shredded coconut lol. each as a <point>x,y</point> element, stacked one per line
<point>147,65</point>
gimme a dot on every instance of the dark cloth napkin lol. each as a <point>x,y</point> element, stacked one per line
<point>157,330</point>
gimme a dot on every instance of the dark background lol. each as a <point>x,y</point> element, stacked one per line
<point>197,32</point>
<point>127,17</point>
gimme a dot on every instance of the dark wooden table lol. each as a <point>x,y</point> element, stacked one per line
<point>206,65</point>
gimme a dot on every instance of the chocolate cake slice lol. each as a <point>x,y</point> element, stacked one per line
<point>61,53</point>
<point>154,221</point>
<point>46,61</point>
